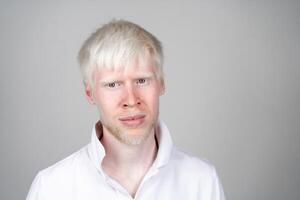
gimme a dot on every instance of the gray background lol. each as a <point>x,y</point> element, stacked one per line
<point>232,75</point>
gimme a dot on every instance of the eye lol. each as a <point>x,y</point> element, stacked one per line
<point>141,81</point>
<point>111,85</point>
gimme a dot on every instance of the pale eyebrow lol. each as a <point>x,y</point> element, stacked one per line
<point>109,80</point>
<point>146,76</point>
<point>115,80</point>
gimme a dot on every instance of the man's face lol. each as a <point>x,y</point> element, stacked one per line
<point>128,101</point>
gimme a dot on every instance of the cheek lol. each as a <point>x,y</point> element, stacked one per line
<point>106,102</point>
<point>151,99</point>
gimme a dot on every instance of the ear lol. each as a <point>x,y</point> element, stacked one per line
<point>89,93</point>
<point>162,87</point>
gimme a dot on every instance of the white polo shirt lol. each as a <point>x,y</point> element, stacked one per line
<point>173,175</point>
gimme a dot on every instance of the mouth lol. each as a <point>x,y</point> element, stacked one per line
<point>133,120</point>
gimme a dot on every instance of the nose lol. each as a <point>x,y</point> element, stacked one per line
<point>131,98</point>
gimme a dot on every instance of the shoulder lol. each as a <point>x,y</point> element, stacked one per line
<point>58,178</point>
<point>193,166</point>
<point>193,174</point>
<point>196,175</point>
<point>66,165</point>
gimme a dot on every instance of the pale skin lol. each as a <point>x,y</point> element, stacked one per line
<point>128,102</point>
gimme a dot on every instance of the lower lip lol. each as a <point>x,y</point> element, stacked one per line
<point>133,123</point>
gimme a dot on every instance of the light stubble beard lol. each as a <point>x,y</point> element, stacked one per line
<point>123,135</point>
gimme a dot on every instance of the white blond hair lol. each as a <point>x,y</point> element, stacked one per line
<point>119,43</point>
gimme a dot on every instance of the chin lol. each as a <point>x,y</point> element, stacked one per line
<point>134,136</point>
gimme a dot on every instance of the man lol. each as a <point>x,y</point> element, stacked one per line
<point>131,155</point>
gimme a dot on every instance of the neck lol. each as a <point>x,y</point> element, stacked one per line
<point>128,164</point>
<point>129,156</point>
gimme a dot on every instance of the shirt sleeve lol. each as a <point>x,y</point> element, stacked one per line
<point>217,189</point>
<point>35,189</point>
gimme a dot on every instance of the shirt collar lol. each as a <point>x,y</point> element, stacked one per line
<point>96,149</point>
<point>165,144</point>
